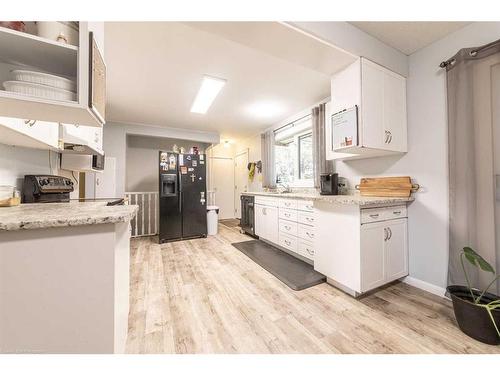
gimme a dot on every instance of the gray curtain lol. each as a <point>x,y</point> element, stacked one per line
<point>473,85</point>
<point>321,165</point>
<point>268,167</point>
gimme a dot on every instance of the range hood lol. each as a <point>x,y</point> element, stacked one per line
<point>76,140</point>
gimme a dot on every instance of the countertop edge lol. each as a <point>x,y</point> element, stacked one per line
<point>92,219</point>
<point>338,199</point>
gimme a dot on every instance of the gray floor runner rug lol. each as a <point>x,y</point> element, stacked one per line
<point>293,272</point>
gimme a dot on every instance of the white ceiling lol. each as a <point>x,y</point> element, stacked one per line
<point>409,37</point>
<point>155,70</point>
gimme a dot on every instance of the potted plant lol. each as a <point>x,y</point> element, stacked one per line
<point>477,312</point>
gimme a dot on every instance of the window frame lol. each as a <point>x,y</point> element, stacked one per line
<point>300,182</point>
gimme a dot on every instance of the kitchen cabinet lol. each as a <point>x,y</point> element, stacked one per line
<point>378,98</point>
<point>29,133</point>
<point>83,64</point>
<point>360,249</point>
<point>383,253</point>
<point>266,222</point>
<point>287,223</point>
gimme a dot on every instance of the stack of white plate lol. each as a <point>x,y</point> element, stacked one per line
<point>41,85</point>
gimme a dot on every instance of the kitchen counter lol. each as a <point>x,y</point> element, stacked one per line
<point>69,263</point>
<point>52,215</point>
<point>354,199</point>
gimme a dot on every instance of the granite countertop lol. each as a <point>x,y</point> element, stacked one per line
<point>355,199</point>
<point>51,215</point>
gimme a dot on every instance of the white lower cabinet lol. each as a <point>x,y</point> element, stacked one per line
<point>361,249</point>
<point>266,222</point>
<point>384,249</point>
<point>287,223</point>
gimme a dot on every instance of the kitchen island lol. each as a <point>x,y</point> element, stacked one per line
<point>64,277</point>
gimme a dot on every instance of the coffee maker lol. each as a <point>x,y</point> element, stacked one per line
<point>329,184</point>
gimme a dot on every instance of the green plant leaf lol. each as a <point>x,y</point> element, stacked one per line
<point>477,260</point>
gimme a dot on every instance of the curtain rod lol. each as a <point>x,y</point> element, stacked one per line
<point>473,52</point>
<point>291,123</point>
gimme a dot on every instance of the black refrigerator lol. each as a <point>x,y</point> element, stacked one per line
<point>183,192</point>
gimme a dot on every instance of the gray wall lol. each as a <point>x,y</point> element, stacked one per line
<point>115,143</point>
<point>142,159</point>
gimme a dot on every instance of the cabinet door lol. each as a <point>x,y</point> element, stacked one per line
<point>396,250</point>
<point>372,255</point>
<point>272,227</point>
<point>260,218</point>
<point>395,137</point>
<point>372,106</point>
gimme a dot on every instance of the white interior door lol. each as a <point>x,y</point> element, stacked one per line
<point>222,185</point>
<point>240,180</point>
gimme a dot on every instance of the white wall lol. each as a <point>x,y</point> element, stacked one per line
<point>15,162</point>
<point>426,160</point>
<point>353,40</point>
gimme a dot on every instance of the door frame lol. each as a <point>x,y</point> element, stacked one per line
<point>246,152</point>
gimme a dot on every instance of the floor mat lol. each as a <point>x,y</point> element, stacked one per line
<point>230,222</point>
<point>295,273</point>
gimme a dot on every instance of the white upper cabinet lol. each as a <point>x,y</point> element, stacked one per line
<point>29,133</point>
<point>368,105</point>
<point>83,64</point>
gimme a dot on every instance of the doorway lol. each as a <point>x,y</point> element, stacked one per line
<point>240,180</point>
<point>222,182</point>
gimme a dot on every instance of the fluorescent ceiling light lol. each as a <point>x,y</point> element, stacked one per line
<point>209,89</point>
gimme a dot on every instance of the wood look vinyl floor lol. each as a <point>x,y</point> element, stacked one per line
<point>204,296</point>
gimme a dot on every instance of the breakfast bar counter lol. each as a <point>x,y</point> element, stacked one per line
<point>64,277</point>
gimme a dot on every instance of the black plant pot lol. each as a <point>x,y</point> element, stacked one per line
<point>474,320</point>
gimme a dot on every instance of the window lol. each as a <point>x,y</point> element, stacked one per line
<point>293,153</point>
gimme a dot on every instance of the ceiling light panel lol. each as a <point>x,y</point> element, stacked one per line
<point>209,89</point>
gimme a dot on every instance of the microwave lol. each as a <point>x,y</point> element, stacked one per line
<point>82,163</point>
<point>98,162</point>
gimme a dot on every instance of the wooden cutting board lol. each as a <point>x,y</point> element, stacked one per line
<point>386,187</point>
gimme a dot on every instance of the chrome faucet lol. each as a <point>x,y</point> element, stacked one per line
<point>285,186</point>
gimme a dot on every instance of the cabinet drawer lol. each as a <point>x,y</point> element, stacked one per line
<point>306,232</point>
<point>288,203</point>
<point>371,215</point>
<point>288,242</point>
<point>305,206</point>
<point>288,227</point>
<point>305,218</point>
<point>396,212</point>
<point>306,249</point>
<point>288,214</point>
<point>266,201</point>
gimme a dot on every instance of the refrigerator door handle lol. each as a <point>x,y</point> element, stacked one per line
<point>180,201</point>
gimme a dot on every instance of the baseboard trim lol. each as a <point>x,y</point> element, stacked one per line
<point>424,285</point>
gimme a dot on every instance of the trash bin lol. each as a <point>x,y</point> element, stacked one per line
<point>212,220</point>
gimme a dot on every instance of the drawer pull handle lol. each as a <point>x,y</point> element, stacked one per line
<point>374,216</point>
<point>309,207</point>
<point>310,235</point>
<point>310,219</point>
<point>396,212</point>
<point>287,227</point>
<point>311,252</point>
<point>287,214</point>
<point>288,242</point>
